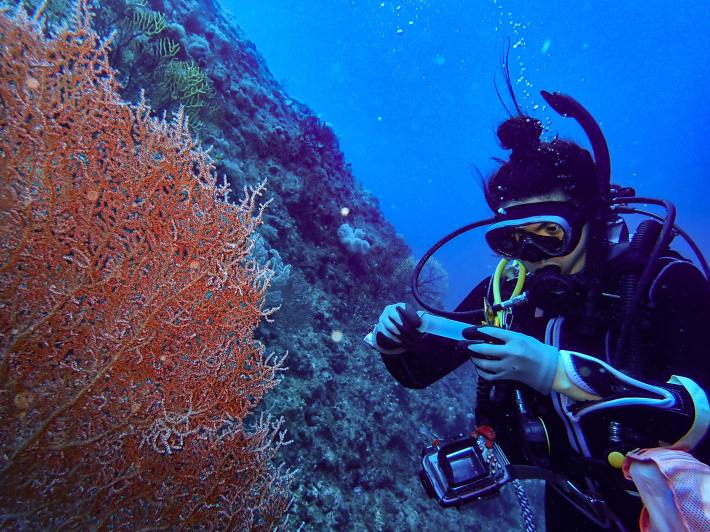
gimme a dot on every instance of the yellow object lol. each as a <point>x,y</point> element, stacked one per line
<point>520,281</point>
<point>616,459</point>
<point>562,384</point>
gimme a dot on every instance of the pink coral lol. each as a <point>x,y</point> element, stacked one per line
<point>128,364</point>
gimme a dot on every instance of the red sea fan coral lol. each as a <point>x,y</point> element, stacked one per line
<point>129,300</point>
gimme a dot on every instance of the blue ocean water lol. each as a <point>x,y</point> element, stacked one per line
<point>408,88</point>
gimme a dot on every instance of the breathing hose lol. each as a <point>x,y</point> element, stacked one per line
<point>651,249</point>
<point>628,350</point>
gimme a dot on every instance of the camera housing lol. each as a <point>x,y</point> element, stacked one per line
<point>464,470</point>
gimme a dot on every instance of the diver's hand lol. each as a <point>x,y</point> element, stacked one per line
<point>394,321</point>
<point>398,332</point>
<point>519,358</point>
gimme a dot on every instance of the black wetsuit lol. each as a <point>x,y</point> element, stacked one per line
<point>672,324</point>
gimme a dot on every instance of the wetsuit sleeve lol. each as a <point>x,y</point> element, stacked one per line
<point>420,369</point>
<point>675,394</point>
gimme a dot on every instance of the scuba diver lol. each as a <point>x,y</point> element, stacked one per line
<point>588,343</point>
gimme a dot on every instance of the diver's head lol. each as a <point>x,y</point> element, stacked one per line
<point>543,197</point>
<point>541,231</point>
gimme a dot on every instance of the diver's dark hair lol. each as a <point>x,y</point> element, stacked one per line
<point>537,167</point>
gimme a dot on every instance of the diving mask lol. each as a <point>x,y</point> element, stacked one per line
<point>535,231</point>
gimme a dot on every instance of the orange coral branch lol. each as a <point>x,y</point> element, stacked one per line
<point>128,364</point>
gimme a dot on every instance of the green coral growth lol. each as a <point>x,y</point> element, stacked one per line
<point>148,21</point>
<point>165,48</point>
<point>147,52</point>
<point>187,84</point>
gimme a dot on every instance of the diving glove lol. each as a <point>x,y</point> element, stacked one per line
<point>401,329</point>
<point>519,358</point>
<point>385,337</point>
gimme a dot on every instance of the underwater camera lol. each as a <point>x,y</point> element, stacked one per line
<point>464,469</point>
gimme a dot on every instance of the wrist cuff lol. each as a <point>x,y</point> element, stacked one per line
<point>701,420</point>
<point>565,385</point>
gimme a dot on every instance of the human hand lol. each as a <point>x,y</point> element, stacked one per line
<point>400,330</point>
<point>396,327</point>
<point>519,358</point>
